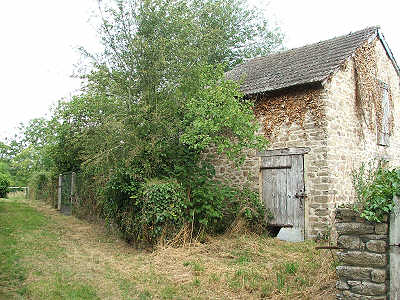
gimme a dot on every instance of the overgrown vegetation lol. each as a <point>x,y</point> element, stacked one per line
<point>151,103</point>
<point>46,255</point>
<point>375,185</point>
<point>4,185</point>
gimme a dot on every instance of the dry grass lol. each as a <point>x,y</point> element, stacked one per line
<point>237,266</point>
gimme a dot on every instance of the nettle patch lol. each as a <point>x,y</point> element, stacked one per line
<point>369,89</point>
<point>287,109</point>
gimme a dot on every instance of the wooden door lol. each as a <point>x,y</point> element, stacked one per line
<point>283,190</point>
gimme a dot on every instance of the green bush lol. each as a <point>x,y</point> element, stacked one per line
<point>156,209</point>
<point>163,208</point>
<point>215,206</point>
<point>146,211</point>
<point>375,187</point>
<point>4,185</point>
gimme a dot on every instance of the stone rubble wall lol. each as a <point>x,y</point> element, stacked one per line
<point>363,261</point>
<point>246,175</point>
<point>350,142</point>
<point>339,144</point>
<point>313,135</point>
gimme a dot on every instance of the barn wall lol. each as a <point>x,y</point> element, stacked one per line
<point>388,74</point>
<point>312,134</point>
<point>339,143</point>
<point>245,175</point>
<point>350,139</point>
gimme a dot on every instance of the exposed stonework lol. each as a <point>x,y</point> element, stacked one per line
<point>350,141</point>
<point>339,142</point>
<point>245,175</point>
<point>363,261</point>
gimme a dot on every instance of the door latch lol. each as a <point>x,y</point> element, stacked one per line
<point>300,195</point>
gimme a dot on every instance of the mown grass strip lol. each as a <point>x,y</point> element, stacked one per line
<point>16,220</point>
<point>51,256</point>
<point>27,239</point>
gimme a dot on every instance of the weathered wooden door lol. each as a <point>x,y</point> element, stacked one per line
<point>394,251</point>
<point>283,190</point>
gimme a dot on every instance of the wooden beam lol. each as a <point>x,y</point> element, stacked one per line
<point>283,152</point>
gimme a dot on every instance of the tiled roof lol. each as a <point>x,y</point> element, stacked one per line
<point>305,65</point>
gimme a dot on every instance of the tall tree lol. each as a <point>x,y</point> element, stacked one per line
<point>163,65</point>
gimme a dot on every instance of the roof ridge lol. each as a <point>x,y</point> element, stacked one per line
<point>376,28</point>
<point>307,64</point>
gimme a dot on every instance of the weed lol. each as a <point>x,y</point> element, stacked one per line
<point>197,267</point>
<point>145,295</point>
<point>375,186</point>
<point>280,281</point>
<point>301,281</point>
<point>266,290</point>
<point>196,282</point>
<point>290,267</point>
<point>214,278</point>
<point>168,292</point>
<point>244,257</point>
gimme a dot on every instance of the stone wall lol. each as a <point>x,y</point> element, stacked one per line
<point>363,261</point>
<point>339,144</point>
<point>245,175</point>
<point>312,134</point>
<point>350,142</point>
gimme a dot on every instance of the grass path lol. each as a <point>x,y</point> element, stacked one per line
<point>45,255</point>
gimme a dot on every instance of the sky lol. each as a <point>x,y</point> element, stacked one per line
<point>39,40</point>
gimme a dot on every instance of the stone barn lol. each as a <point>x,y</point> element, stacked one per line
<point>325,108</point>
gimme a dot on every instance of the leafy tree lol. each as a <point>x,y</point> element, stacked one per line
<point>29,149</point>
<point>152,102</point>
<point>4,151</point>
<point>158,61</point>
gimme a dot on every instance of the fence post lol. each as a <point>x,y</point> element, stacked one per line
<point>394,250</point>
<point>59,191</point>
<point>73,175</point>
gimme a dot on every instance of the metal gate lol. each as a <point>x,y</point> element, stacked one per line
<point>66,192</point>
<point>283,190</point>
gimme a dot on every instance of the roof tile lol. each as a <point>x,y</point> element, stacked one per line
<point>308,64</point>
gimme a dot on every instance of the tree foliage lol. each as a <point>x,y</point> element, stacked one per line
<point>4,185</point>
<point>153,101</point>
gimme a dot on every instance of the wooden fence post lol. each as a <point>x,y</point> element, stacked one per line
<point>394,250</point>
<point>59,191</point>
